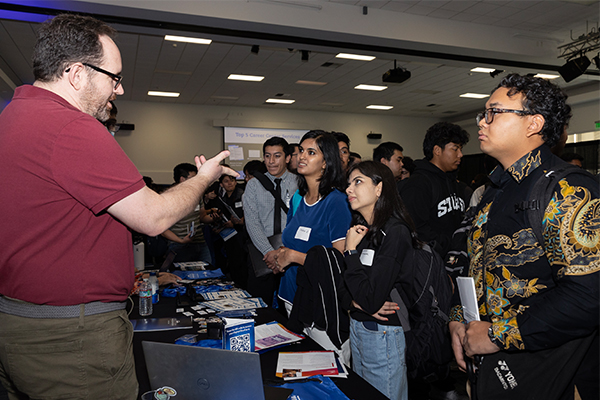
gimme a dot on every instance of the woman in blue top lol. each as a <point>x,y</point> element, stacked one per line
<point>322,217</point>
<point>377,255</point>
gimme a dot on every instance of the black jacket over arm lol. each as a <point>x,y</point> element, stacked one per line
<point>321,299</point>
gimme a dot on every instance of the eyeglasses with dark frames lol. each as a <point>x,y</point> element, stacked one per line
<point>115,77</point>
<point>489,113</point>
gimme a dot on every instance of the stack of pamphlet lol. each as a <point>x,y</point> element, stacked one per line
<point>273,334</point>
<point>300,365</point>
<point>226,294</point>
<point>235,303</point>
<point>191,265</point>
<point>238,334</point>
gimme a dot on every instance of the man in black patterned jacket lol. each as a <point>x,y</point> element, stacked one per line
<point>538,302</point>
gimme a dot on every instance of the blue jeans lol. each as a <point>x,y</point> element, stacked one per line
<point>378,357</point>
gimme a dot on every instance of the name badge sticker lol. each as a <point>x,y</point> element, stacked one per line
<point>303,233</point>
<point>238,204</point>
<point>366,257</point>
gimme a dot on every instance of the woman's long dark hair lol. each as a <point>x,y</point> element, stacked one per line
<point>333,176</point>
<point>389,204</point>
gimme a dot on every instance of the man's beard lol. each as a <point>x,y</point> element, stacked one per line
<point>93,105</point>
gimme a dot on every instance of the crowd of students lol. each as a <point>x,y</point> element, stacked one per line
<point>347,232</point>
<point>66,278</point>
<point>340,203</point>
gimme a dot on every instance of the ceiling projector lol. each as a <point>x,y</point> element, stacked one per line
<point>396,75</point>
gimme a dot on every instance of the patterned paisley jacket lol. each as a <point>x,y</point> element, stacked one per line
<point>536,295</point>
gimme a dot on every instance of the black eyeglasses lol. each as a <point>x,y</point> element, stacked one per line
<point>489,113</point>
<point>116,78</point>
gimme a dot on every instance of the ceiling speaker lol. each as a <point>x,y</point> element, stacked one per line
<point>126,127</point>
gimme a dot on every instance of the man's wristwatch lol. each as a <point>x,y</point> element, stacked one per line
<point>493,338</point>
<point>350,252</point>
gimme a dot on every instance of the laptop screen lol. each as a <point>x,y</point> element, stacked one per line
<point>204,373</point>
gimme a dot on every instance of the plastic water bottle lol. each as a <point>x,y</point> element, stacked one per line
<point>154,283</point>
<point>145,294</point>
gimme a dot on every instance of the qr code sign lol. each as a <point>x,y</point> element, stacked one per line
<point>241,343</point>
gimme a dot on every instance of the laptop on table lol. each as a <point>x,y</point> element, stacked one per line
<point>208,374</point>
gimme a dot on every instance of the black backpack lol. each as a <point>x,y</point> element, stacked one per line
<point>541,194</point>
<point>425,318</point>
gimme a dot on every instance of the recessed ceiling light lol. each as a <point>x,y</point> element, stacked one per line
<point>484,70</point>
<point>314,83</point>
<point>280,101</point>
<point>546,76</point>
<point>370,87</point>
<point>251,78</point>
<point>163,94</point>
<point>355,57</point>
<point>376,107</point>
<point>474,95</point>
<point>186,39</point>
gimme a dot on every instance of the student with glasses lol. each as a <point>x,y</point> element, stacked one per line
<point>538,297</point>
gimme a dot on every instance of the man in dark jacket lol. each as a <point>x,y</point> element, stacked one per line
<point>537,296</point>
<point>431,194</point>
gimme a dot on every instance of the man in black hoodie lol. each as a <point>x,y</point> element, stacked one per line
<point>435,204</point>
<point>431,194</point>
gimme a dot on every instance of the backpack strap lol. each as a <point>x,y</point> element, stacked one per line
<point>402,312</point>
<point>541,194</point>
<point>435,307</point>
<point>270,187</point>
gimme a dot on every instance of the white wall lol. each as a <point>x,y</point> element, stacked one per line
<point>584,117</point>
<point>167,134</point>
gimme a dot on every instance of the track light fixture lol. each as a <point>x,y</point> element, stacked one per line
<point>304,55</point>
<point>574,68</point>
<point>255,49</point>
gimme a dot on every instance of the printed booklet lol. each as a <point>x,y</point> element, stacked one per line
<point>238,334</point>
<point>273,335</point>
<point>309,363</point>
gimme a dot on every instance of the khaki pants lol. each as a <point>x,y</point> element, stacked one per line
<point>90,357</point>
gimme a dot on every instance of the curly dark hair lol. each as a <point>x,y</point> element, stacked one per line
<point>333,176</point>
<point>65,39</point>
<point>441,134</point>
<point>541,97</point>
<point>388,204</point>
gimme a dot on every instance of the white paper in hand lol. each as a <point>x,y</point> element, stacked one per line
<point>468,298</point>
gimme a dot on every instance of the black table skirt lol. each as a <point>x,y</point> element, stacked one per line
<point>353,386</point>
